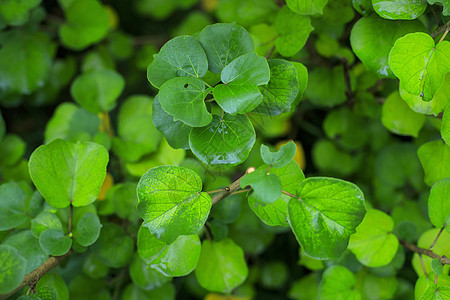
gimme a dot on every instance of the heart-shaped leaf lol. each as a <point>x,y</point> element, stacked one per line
<point>171,202</point>
<point>307,7</point>
<point>435,159</point>
<point>67,173</point>
<point>279,158</point>
<point>87,230</point>
<point>223,43</point>
<point>338,282</point>
<point>181,56</point>
<point>225,141</point>
<point>325,214</point>
<point>241,78</point>
<point>183,98</point>
<point>374,244</point>
<point>266,187</point>
<point>420,64</point>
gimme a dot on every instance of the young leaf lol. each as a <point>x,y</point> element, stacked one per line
<point>87,23</point>
<point>12,269</point>
<point>43,221</point>
<point>181,56</point>
<point>420,64</point>
<point>97,91</point>
<point>437,267</point>
<point>179,258</point>
<point>54,242</point>
<point>87,230</point>
<point>221,266</point>
<point>435,159</point>
<point>223,43</point>
<point>293,31</point>
<point>225,141</point>
<point>266,187</point>
<point>282,89</point>
<point>275,213</point>
<point>374,244</point>
<point>171,202</point>
<point>239,92</point>
<point>279,158</point>
<point>307,7</point>
<point>399,10</point>
<point>17,13</point>
<point>399,118</point>
<point>438,203</point>
<point>373,52</point>
<point>338,283</point>
<point>325,214</point>
<point>441,247</point>
<point>175,132</point>
<point>67,173</point>
<point>12,206</point>
<point>183,98</point>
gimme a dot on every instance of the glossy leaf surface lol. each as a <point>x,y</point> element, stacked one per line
<point>338,283</point>
<point>324,216</point>
<point>279,158</point>
<point>266,187</point>
<point>399,10</point>
<point>171,202</point>
<point>438,204</point>
<point>67,173</point>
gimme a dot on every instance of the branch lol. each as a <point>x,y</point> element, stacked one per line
<point>440,30</point>
<point>33,277</point>
<point>444,260</point>
<point>230,189</point>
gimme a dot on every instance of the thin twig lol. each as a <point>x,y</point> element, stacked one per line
<point>289,194</point>
<point>444,35</point>
<point>444,260</point>
<point>435,16</point>
<point>269,54</point>
<point>233,187</point>
<point>215,191</point>
<point>440,30</point>
<point>33,277</point>
<point>423,266</point>
<point>437,237</point>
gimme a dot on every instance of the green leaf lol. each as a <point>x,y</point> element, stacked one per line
<point>47,293</point>
<point>2,127</point>
<point>276,213</point>
<point>12,269</point>
<point>164,292</point>
<point>54,242</point>
<point>374,52</point>
<point>223,43</point>
<point>278,158</point>
<point>435,159</point>
<point>179,258</point>
<point>239,92</point>
<point>67,173</point>
<point>43,221</point>
<point>307,7</point>
<point>183,98</point>
<point>87,230</point>
<point>221,266</point>
<point>86,24</point>
<point>225,141</point>
<point>436,266</point>
<point>274,275</point>
<point>94,267</point>
<point>399,10</point>
<point>338,283</point>
<point>302,77</point>
<point>97,91</point>
<point>374,244</point>
<point>325,214</point>
<point>429,287</point>
<point>71,122</point>
<point>12,148</point>
<point>266,187</point>
<point>16,13</point>
<point>282,89</point>
<point>114,248</point>
<point>12,206</point>
<point>305,288</point>
<point>138,136</point>
<point>144,277</point>
<point>438,208</point>
<point>28,247</point>
<point>55,281</point>
<point>148,245</point>
<point>420,64</point>
<point>326,87</point>
<point>31,54</point>
<point>124,198</point>
<point>181,56</point>
<point>445,128</point>
<point>399,118</point>
<point>171,202</point>
<point>175,132</point>
<point>293,31</point>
